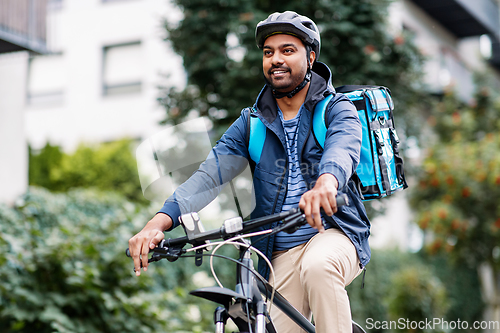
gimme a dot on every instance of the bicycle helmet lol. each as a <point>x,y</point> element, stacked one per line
<point>289,23</point>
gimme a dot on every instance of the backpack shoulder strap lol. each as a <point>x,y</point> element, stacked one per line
<point>256,136</point>
<point>257,130</point>
<point>319,123</point>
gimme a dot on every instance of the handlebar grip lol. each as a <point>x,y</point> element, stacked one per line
<point>127,252</point>
<point>341,198</point>
<point>160,244</point>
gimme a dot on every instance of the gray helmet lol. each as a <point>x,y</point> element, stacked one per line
<point>289,23</point>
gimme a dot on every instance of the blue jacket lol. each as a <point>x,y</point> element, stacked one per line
<point>339,157</point>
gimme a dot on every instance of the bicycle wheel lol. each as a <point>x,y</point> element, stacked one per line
<point>356,328</point>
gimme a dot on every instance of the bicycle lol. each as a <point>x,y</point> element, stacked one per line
<point>246,305</point>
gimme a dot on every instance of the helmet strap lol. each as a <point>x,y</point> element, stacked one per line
<point>307,78</point>
<point>279,95</point>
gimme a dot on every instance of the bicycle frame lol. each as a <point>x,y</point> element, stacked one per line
<point>245,305</point>
<point>253,289</point>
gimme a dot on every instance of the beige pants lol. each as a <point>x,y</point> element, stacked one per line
<point>313,277</point>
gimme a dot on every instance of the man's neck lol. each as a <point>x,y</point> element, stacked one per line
<point>291,106</point>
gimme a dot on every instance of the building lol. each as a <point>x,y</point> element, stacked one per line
<point>100,81</point>
<point>95,76</point>
<point>22,30</point>
<point>74,71</point>
<point>459,38</point>
<point>79,71</point>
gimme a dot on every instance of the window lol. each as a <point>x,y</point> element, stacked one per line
<point>55,4</point>
<point>123,69</point>
<point>114,0</point>
<point>46,79</point>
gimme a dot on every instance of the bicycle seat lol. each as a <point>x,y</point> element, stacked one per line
<point>223,296</point>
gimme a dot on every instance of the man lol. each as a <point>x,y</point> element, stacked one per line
<point>313,265</point>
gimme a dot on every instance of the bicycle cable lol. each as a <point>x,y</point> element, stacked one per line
<point>257,275</point>
<point>270,300</point>
<point>248,316</point>
<point>232,241</point>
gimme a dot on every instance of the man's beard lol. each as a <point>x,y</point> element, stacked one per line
<point>286,84</point>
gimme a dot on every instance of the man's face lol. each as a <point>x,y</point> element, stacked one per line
<point>284,62</point>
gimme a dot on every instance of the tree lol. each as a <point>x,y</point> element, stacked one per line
<point>409,286</point>
<point>63,269</point>
<point>109,166</point>
<point>224,66</point>
<point>416,295</point>
<point>42,163</point>
<point>458,189</point>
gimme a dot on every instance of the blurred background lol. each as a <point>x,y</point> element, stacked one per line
<point>83,83</point>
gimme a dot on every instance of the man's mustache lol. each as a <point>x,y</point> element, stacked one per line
<point>283,68</point>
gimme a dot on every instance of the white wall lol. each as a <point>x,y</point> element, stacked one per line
<point>13,148</point>
<point>79,30</point>
<point>394,229</point>
<point>450,61</point>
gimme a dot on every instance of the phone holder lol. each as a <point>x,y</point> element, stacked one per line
<point>193,227</point>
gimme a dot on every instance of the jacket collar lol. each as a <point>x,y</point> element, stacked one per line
<point>320,87</point>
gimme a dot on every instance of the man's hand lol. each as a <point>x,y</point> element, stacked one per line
<point>147,239</point>
<point>322,195</point>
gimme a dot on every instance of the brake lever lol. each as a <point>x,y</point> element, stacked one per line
<point>290,224</point>
<point>295,222</point>
<point>162,252</point>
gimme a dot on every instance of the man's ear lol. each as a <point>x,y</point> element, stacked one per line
<point>312,57</point>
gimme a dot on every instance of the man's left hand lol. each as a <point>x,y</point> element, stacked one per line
<point>322,195</point>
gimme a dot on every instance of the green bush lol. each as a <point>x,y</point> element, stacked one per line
<point>369,301</point>
<point>63,269</point>
<point>107,166</point>
<point>42,164</point>
<point>417,295</point>
<point>390,274</point>
<point>462,287</point>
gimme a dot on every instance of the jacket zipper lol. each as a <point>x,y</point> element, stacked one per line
<point>280,185</point>
<point>304,144</point>
<point>269,251</point>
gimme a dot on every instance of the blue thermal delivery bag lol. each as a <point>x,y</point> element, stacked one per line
<point>380,170</point>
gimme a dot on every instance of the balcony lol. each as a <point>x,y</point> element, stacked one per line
<point>495,54</point>
<point>467,18</point>
<point>23,25</point>
<point>464,18</point>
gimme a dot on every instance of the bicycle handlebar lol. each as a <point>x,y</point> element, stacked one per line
<point>292,219</point>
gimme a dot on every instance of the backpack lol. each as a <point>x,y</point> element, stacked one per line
<point>380,170</point>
